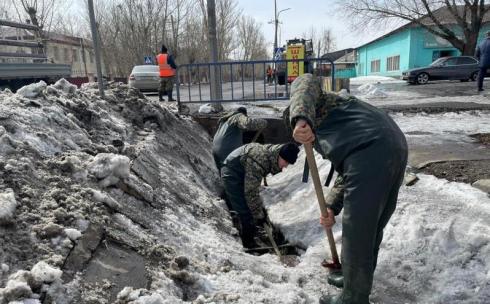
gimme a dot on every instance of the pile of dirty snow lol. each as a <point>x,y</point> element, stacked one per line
<point>116,200</point>
<point>370,90</point>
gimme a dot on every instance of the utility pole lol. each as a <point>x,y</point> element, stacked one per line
<point>276,25</point>
<point>276,21</point>
<point>95,40</point>
<point>213,54</point>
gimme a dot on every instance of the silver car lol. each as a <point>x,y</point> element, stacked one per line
<point>145,77</point>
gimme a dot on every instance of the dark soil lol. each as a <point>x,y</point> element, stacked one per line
<point>483,138</point>
<point>437,107</point>
<point>464,171</point>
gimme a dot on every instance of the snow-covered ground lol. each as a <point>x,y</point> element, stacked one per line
<point>436,248</point>
<point>137,179</point>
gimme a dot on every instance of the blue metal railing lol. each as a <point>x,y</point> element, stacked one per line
<point>244,81</point>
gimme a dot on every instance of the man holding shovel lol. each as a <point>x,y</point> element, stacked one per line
<point>369,152</point>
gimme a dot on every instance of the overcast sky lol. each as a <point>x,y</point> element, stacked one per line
<point>299,18</point>
<point>302,15</point>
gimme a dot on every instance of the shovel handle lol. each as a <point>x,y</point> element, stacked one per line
<point>310,157</point>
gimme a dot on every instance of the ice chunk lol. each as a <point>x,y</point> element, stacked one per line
<point>109,168</point>
<point>46,273</point>
<point>73,234</point>
<point>32,90</point>
<point>8,204</point>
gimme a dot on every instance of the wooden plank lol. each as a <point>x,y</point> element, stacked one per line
<point>20,43</point>
<point>18,25</point>
<point>22,55</point>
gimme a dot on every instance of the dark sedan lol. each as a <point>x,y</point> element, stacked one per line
<point>462,68</point>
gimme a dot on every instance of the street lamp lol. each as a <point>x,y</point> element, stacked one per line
<point>276,22</point>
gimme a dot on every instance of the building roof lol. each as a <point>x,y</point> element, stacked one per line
<point>337,54</point>
<point>442,14</point>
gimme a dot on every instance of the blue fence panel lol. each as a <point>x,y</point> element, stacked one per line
<point>244,81</point>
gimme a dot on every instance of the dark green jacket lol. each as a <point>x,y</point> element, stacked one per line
<point>229,135</point>
<point>342,125</point>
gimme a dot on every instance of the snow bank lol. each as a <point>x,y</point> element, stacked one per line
<point>439,236</point>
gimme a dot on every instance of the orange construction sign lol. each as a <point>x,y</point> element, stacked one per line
<point>295,69</point>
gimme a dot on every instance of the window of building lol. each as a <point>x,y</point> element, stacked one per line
<point>66,55</point>
<point>375,66</point>
<point>393,63</point>
<point>75,55</point>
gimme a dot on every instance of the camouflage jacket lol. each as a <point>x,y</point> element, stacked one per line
<point>243,122</point>
<point>229,135</point>
<point>258,161</point>
<point>310,102</point>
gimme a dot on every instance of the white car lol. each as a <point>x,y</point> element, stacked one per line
<point>145,77</point>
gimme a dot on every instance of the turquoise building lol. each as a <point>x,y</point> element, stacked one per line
<point>407,47</point>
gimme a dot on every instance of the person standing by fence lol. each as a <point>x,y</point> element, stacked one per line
<point>167,67</point>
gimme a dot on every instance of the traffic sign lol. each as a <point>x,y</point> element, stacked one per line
<point>148,60</point>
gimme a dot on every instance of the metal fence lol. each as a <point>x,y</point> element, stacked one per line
<point>245,80</point>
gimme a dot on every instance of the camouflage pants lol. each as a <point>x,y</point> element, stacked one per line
<point>166,84</point>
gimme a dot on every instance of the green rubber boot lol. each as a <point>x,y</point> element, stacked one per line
<point>326,299</point>
<point>336,279</point>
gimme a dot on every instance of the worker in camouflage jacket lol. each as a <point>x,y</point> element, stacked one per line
<point>229,135</point>
<point>242,173</point>
<point>369,152</point>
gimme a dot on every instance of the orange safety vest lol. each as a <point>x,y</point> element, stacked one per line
<point>165,69</point>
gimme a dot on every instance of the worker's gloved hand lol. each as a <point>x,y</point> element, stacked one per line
<point>329,220</point>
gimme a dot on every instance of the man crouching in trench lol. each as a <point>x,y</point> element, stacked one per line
<point>242,173</point>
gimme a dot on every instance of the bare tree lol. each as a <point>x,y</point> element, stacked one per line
<point>251,41</point>
<point>227,14</point>
<point>323,40</point>
<point>438,17</point>
<point>41,13</point>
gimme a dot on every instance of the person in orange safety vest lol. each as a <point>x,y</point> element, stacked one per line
<point>167,67</point>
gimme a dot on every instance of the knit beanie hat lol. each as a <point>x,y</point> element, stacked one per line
<point>289,152</point>
<point>242,110</point>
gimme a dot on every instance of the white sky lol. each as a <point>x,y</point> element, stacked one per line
<point>302,15</point>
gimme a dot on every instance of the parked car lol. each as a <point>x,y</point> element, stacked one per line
<point>462,68</point>
<point>145,77</point>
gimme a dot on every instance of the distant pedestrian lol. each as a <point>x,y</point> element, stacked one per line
<point>270,74</point>
<point>483,56</point>
<point>167,67</point>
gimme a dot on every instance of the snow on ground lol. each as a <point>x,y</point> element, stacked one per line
<point>436,247</point>
<point>361,80</point>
